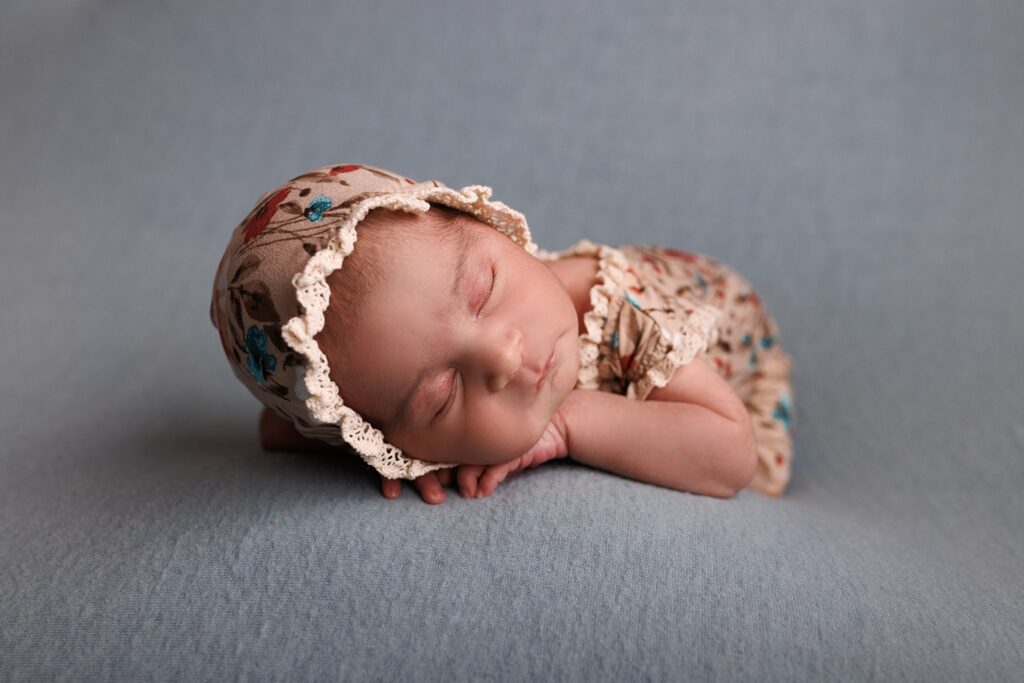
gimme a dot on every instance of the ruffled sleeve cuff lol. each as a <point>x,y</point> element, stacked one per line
<point>612,265</point>
<point>696,334</point>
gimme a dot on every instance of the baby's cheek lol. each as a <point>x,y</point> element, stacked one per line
<point>485,447</point>
<point>421,446</point>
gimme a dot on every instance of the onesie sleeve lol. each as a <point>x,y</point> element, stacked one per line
<point>649,345</point>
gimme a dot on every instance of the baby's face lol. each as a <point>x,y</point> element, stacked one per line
<point>468,359</point>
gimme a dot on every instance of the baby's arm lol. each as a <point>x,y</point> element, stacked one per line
<point>694,434</point>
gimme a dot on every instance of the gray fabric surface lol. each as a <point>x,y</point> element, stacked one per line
<point>860,163</point>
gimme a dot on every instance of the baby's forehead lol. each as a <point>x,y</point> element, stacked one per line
<point>457,236</point>
<point>462,235</point>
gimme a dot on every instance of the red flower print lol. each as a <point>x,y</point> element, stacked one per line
<point>637,276</point>
<point>261,217</point>
<point>683,255</point>
<point>654,263</point>
<point>347,168</point>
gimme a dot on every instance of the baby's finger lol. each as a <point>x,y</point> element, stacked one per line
<point>390,487</point>
<point>429,488</point>
<point>494,475</point>
<point>468,476</point>
<point>444,475</point>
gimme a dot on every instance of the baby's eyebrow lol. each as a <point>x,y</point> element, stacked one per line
<point>466,239</point>
<point>463,245</point>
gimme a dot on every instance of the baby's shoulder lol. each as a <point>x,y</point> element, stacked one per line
<point>678,272</point>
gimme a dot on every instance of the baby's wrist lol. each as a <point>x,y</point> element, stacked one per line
<point>571,413</point>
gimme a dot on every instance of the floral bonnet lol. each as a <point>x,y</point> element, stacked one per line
<point>271,292</point>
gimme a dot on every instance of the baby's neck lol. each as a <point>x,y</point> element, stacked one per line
<point>577,274</point>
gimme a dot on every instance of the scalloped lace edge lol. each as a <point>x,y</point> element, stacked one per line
<point>324,403</point>
<point>611,267</point>
<point>702,324</point>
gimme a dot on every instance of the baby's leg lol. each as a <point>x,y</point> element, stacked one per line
<point>771,410</point>
<point>764,385</point>
<point>750,357</point>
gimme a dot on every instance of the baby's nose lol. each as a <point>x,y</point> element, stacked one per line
<point>505,361</point>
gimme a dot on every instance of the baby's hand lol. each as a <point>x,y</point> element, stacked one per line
<point>476,481</point>
<point>429,485</point>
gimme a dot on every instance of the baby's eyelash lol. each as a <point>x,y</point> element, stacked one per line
<point>455,383</point>
<point>451,397</point>
<point>494,281</point>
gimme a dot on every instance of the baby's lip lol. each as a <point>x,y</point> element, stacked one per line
<point>546,369</point>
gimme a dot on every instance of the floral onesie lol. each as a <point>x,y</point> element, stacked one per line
<point>655,308</point>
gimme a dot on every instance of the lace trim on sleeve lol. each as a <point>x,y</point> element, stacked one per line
<point>697,334</point>
<point>612,264</point>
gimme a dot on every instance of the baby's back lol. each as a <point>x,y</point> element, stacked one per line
<point>745,328</point>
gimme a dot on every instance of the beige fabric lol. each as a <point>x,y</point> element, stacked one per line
<point>655,308</point>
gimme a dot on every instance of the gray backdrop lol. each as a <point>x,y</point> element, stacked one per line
<point>861,163</point>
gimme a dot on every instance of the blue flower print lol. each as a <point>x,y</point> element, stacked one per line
<point>259,362</point>
<point>783,410</point>
<point>702,283</point>
<point>630,299</point>
<point>615,340</point>
<point>316,208</point>
<point>746,339</point>
<point>767,342</point>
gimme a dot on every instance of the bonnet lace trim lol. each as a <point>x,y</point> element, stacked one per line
<point>324,401</point>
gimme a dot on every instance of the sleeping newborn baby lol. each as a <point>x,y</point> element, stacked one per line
<point>448,348</point>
